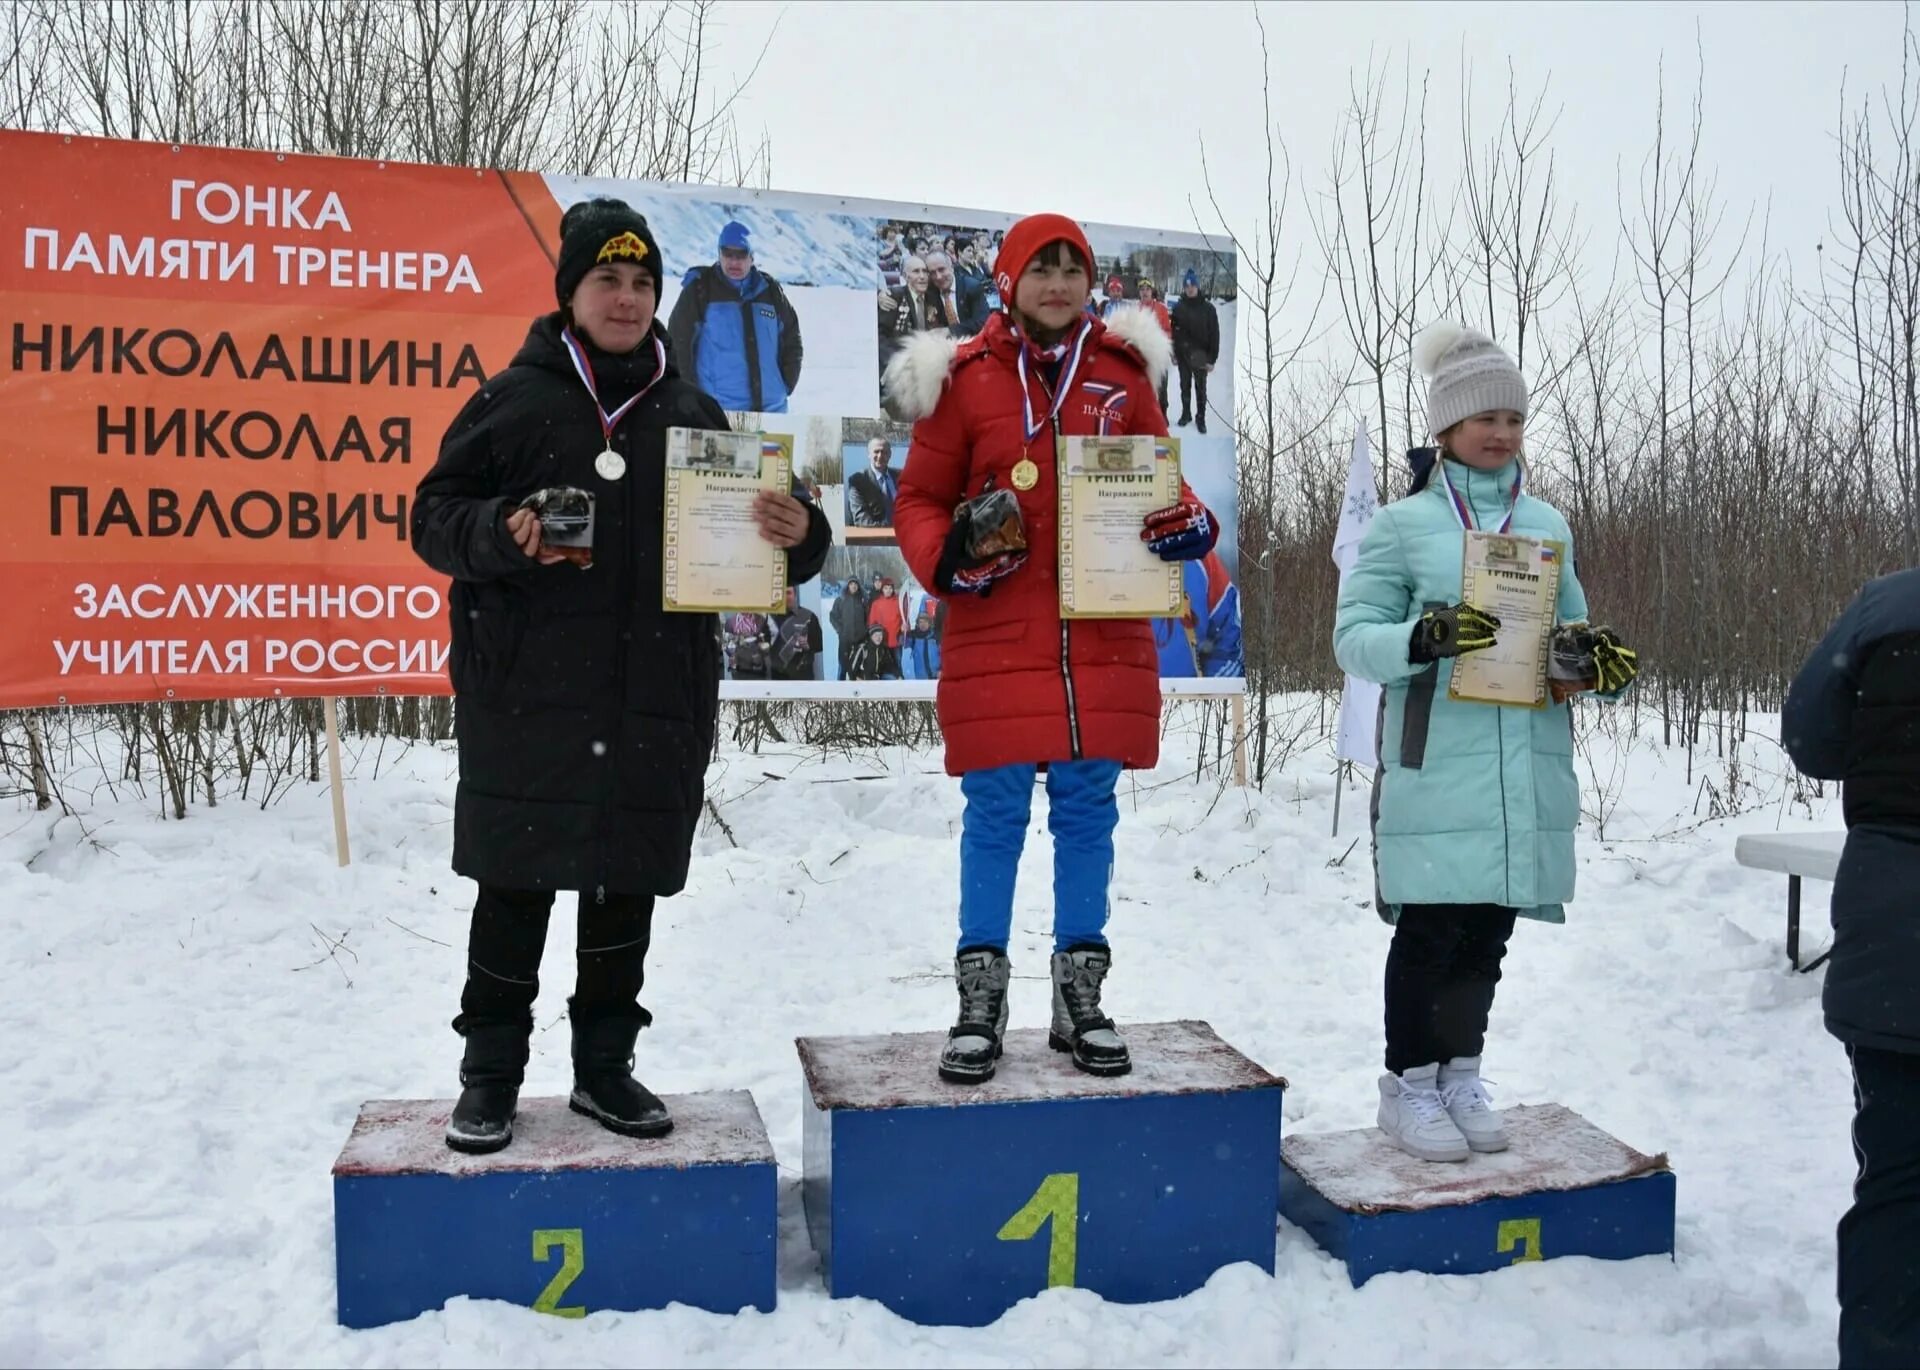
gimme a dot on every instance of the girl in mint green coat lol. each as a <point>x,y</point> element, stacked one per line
<point>1475,804</point>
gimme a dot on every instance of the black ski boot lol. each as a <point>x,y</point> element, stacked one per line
<point>1078,1024</point>
<point>974,1043</point>
<point>490,1074</point>
<point>603,1083</point>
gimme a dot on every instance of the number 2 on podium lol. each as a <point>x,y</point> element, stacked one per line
<point>573,1259</point>
<point>1056,1203</point>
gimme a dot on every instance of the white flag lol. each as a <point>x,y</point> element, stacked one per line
<point>1358,737</point>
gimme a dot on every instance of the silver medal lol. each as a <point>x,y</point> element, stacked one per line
<point>610,464</point>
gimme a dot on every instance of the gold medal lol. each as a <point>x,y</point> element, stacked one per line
<point>1025,475</point>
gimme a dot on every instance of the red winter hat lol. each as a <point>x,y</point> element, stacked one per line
<point>1023,243</point>
<point>1115,283</point>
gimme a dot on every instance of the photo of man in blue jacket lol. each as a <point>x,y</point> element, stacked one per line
<point>735,332</point>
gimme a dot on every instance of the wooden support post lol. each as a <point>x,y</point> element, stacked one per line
<point>331,710</point>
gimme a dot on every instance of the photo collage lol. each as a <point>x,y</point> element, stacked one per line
<point>787,309</point>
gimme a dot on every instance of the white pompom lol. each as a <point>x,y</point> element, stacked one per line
<point>1434,342</point>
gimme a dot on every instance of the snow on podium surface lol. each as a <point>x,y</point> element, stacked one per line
<point>183,1056</point>
<point>1550,1148</point>
<point>891,1070</point>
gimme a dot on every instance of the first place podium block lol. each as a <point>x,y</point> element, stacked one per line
<point>569,1219</point>
<point>1562,1188</point>
<point>951,1203</point>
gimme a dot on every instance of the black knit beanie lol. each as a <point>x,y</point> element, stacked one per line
<point>603,230</point>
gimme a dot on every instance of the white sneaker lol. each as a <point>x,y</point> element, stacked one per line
<point>1470,1106</point>
<point>1415,1119</point>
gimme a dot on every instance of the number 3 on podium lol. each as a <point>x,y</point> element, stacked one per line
<point>573,1259</point>
<point>1055,1202</point>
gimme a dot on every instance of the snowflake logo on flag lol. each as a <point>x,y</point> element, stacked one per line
<point>1360,505</point>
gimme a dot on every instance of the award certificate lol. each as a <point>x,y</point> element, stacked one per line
<point>713,557</point>
<point>1108,486</point>
<point>1517,580</point>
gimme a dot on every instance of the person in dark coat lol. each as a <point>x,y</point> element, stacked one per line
<point>849,617</point>
<point>873,659</point>
<point>796,640</point>
<point>1853,715</point>
<point>584,714</point>
<point>1196,347</point>
<point>734,330</point>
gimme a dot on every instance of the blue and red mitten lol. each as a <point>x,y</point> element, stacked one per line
<point>979,580</point>
<point>961,572</point>
<point>1180,532</point>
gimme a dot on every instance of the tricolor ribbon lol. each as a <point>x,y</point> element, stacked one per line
<point>1464,512</point>
<point>1059,395</point>
<point>585,370</point>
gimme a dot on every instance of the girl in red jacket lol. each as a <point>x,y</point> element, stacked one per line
<point>1022,690</point>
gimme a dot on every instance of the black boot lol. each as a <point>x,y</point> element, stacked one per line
<point>975,1042</point>
<point>1079,1026</point>
<point>490,1074</point>
<point>603,1083</point>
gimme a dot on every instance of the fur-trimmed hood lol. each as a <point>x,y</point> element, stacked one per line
<point>918,372</point>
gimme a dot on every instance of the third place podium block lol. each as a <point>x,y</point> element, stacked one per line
<point>569,1219</point>
<point>1562,1188</point>
<point>951,1203</point>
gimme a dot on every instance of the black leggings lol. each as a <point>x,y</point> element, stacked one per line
<point>1441,970</point>
<point>509,934</point>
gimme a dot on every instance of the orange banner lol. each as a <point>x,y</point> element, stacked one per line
<point>224,373</point>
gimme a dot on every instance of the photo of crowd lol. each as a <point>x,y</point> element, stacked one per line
<point>933,277</point>
<point>883,624</point>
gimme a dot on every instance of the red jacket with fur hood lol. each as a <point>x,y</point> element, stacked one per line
<point>1018,684</point>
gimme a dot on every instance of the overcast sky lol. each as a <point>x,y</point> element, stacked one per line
<point>1098,110</point>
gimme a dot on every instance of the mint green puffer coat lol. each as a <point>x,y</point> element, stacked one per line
<point>1474,803</point>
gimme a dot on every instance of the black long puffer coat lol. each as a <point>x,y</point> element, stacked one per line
<point>584,713</point>
<point>1853,714</point>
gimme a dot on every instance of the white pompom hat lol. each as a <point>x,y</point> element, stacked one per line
<point>1467,373</point>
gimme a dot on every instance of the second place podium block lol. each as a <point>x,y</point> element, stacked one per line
<point>951,1203</point>
<point>569,1219</point>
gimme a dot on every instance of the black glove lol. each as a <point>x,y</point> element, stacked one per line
<point>1616,665</point>
<point>1593,657</point>
<point>960,572</point>
<point>1451,631</point>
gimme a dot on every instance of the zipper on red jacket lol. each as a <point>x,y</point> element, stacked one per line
<point>1066,640</point>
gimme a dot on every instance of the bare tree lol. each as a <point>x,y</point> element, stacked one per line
<point>1369,225</point>
<point>1268,281</point>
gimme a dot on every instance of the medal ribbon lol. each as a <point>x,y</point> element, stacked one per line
<point>1059,395</point>
<point>1464,512</point>
<point>581,365</point>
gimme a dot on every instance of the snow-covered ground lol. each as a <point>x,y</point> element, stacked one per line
<point>183,1056</point>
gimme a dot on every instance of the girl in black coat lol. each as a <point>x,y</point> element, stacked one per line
<point>584,712</point>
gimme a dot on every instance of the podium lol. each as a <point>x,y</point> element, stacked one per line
<point>569,1219</point>
<point>1562,1188</point>
<point>951,1203</point>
